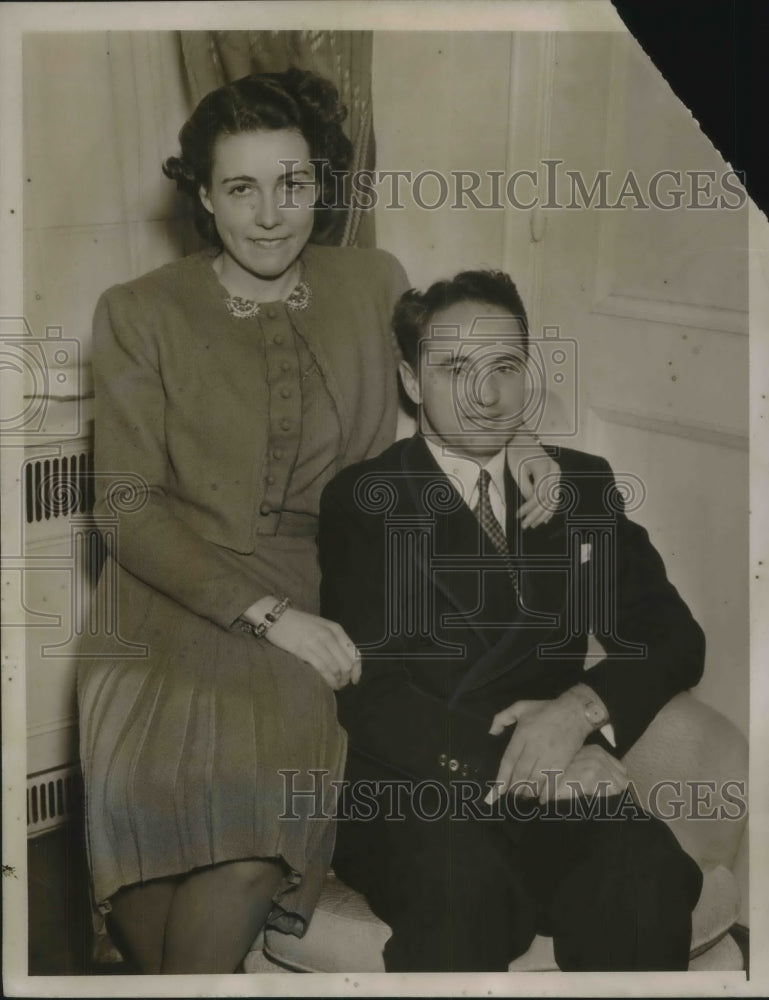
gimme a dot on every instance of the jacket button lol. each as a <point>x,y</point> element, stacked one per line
<point>285,424</point>
<point>264,508</point>
<point>442,760</point>
<point>277,453</point>
<point>278,338</point>
<point>453,764</point>
<point>271,313</point>
<point>285,393</point>
<point>285,366</point>
<point>270,480</point>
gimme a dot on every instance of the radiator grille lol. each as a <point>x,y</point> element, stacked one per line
<point>53,797</point>
<point>58,487</point>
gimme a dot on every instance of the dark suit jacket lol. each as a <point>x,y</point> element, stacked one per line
<point>408,573</point>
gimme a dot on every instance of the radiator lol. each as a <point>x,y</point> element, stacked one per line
<point>53,797</point>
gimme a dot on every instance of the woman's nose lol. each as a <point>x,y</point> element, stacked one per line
<point>267,212</point>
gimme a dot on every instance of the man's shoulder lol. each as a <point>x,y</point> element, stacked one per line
<point>591,486</point>
<point>386,466</point>
<point>571,460</point>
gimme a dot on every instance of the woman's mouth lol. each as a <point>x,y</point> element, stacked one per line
<point>271,243</point>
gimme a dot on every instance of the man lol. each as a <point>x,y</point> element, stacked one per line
<point>473,636</point>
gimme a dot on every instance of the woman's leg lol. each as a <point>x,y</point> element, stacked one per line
<point>216,914</point>
<point>138,921</point>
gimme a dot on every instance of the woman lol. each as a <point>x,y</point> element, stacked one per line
<point>230,387</point>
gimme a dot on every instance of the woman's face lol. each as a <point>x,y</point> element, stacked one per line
<point>262,195</point>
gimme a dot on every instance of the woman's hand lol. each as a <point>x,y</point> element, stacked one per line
<point>319,642</point>
<point>537,475</point>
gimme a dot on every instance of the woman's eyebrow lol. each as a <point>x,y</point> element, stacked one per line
<point>252,180</point>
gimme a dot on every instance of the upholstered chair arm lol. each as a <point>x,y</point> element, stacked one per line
<point>690,768</point>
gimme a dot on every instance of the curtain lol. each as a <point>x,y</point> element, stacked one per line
<point>213,58</point>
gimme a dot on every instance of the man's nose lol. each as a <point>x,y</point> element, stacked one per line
<point>485,389</point>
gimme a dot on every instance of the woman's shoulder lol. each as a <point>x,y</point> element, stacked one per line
<point>180,277</point>
<point>361,265</point>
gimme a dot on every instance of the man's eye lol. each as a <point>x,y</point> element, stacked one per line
<point>510,367</point>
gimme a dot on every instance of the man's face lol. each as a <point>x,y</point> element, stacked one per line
<point>471,384</point>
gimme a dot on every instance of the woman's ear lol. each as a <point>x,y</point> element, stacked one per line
<point>205,199</point>
<point>410,381</point>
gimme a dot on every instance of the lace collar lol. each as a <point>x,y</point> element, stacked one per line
<point>242,308</point>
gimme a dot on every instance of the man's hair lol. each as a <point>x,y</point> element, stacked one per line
<point>414,310</point>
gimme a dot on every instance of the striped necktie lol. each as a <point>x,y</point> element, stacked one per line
<point>490,524</point>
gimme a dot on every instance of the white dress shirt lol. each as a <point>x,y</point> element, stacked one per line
<point>464,473</point>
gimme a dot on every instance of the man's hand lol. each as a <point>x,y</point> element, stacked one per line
<point>548,735</point>
<point>592,770</point>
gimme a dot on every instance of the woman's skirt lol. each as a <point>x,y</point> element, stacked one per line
<point>201,745</point>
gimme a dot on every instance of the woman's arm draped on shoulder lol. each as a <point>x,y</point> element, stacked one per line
<point>152,542</point>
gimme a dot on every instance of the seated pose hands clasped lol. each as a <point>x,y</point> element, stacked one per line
<point>486,801</point>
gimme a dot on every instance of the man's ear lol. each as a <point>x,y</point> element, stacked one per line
<point>205,199</point>
<point>410,382</point>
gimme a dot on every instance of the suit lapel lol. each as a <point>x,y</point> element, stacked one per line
<point>540,555</point>
<point>456,534</point>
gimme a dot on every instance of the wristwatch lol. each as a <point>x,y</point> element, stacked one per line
<point>595,710</point>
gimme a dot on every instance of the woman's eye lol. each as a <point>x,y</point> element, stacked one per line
<point>240,189</point>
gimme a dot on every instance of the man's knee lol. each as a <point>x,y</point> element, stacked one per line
<point>628,905</point>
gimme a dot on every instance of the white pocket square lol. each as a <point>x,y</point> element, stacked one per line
<point>585,551</point>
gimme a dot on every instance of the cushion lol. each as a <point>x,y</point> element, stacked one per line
<point>345,936</point>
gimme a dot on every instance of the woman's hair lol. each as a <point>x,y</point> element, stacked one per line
<point>295,99</point>
<point>414,310</point>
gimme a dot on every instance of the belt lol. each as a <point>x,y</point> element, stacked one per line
<point>286,522</point>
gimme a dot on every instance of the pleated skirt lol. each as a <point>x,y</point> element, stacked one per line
<point>201,745</point>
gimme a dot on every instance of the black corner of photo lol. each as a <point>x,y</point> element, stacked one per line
<point>713,55</point>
